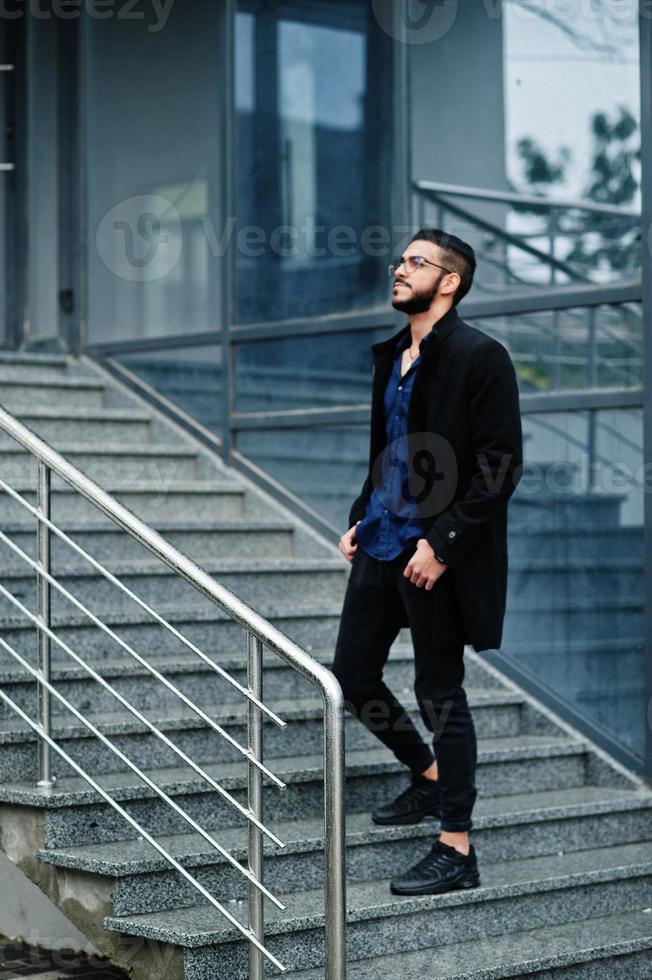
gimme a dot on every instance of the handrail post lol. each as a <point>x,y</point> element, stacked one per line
<point>255,801</point>
<point>43,477</point>
<point>334,833</point>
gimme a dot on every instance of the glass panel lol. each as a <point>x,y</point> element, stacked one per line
<point>313,100</point>
<point>325,466</point>
<point>154,103</point>
<point>190,377</point>
<point>7,181</point>
<point>551,93</point>
<point>306,371</point>
<point>42,193</point>
<point>575,603</point>
<point>581,347</point>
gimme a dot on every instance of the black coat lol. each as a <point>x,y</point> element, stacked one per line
<point>465,446</point>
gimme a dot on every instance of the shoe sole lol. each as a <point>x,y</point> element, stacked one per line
<point>405,821</point>
<point>470,882</point>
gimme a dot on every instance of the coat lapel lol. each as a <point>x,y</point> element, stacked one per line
<point>431,379</point>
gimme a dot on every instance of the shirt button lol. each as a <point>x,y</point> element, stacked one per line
<point>400,387</point>
<point>451,534</point>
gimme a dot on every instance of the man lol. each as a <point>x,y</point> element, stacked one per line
<point>427,541</point>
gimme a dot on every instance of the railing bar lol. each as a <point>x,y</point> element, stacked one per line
<point>516,242</point>
<point>255,801</point>
<point>224,793</point>
<point>44,778</point>
<point>138,828</point>
<point>141,602</point>
<point>141,660</point>
<point>171,556</point>
<point>137,770</point>
<point>273,638</point>
<point>459,190</point>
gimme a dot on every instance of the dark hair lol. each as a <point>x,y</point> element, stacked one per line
<point>459,256</point>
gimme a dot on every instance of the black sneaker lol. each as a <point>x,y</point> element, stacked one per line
<point>419,800</point>
<point>443,869</point>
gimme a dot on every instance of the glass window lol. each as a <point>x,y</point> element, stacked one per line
<point>313,99</point>
<point>154,102</point>
<point>550,102</point>
<point>306,371</point>
<point>189,377</point>
<point>575,348</point>
<point>575,603</point>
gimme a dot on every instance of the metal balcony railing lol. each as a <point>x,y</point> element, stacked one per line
<point>542,250</point>
<point>260,633</point>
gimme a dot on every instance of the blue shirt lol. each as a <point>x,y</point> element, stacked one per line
<point>391,520</point>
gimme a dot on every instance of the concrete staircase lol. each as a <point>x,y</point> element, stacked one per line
<point>563,833</point>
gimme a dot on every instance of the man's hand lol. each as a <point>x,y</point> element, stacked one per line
<point>347,543</point>
<point>423,568</point>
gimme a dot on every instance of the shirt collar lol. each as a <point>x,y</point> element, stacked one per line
<point>405,340</point>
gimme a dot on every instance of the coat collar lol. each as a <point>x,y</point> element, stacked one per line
<point>441,329</point>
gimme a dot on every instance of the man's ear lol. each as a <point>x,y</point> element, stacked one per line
<point>450,283</point>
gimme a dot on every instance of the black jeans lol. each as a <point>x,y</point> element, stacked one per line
<point>377,592</point>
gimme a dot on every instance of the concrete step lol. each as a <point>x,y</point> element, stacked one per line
<point>505,828</point>
<point>287,579</point>
<point>616,946</point>
<point>197,680</point>
<point>110,461</point>
<point>313,627</point>
<point>496,715</point>
<point>20,394</point>
<point>551,890</point>
<point>57,425</point>
<point>36,366</point>
<point>150,499</point>
<point>73,814</point>
<point>200,539</point>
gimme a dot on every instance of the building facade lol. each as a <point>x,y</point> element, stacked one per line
<point>206,195</point>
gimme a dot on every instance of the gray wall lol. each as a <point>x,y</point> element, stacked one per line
<point>455,79</point>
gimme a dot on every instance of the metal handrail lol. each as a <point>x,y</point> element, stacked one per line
<point>440,193</point>
<point>259,632</point>
<point>515,197</point>
<point>128,762</point>
<point>126,646</point>
<point>510,238</point>
<point>123,701</point>
<point>140,830</point>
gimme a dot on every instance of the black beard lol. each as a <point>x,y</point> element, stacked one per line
<point>418,302</point>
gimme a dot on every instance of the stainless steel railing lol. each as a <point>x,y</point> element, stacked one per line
<point>615,221</point>
<point>260,633</point>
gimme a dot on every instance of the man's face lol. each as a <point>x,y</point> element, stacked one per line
<point>415,292</point>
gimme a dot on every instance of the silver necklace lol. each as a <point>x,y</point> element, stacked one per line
<point>413,359</point>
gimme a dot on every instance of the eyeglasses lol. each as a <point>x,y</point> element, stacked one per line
<point>412,263</point>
